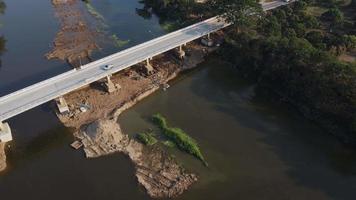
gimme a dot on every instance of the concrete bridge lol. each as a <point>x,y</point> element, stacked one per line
<point>55,87</point>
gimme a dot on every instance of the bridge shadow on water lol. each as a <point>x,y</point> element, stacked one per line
<point>312,159</point>
<point>42,165</point>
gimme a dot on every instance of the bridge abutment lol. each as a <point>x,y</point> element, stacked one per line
<point>5,132</point>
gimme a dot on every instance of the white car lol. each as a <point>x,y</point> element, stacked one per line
<point>108,67</point>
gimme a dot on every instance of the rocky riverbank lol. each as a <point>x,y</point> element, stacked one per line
<point>157,172</point>
<point>2,157</point>
<point>134,83</point>
<point>100,133</point>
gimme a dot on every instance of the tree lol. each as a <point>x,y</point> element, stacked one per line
<point>270,26</point>
<point>334,15</point>
<point>238,12</point>
<point>316,39</point>
<point>349,41</point>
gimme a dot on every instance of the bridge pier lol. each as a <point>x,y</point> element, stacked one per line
<point>5,132</point>
<point>62,105</point>
<point>148,66</point>
<point>181,52</point>
<point>110,86</point>
<point>207,41</point>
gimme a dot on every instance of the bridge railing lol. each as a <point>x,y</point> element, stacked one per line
<point>35,86</point>
<point>104,60</point>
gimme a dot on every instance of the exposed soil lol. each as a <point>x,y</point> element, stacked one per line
<point>348,57</point>
<point>135,85</point>
<point>100,133</point>
<point>157,172</point>
<point>77,38</point>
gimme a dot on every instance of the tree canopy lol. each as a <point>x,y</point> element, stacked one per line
<point>238,12</point>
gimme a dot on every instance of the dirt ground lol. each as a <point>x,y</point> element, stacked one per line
<point>160,174</point>
<point>135,85</point>
<point>348,57</point>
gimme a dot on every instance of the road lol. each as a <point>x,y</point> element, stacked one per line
<point>42,92</point>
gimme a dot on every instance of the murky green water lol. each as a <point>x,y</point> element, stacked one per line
<point>256,148</point>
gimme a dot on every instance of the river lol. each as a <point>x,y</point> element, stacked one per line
<point>256,147</point>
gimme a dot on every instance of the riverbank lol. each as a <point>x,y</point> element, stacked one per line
<point>99,132</point>
<point>156,171</point>
<point>134,84</point>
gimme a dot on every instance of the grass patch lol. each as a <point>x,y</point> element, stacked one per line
<point>146,138</point>
<point>181,139</point>
<point>316,11</point>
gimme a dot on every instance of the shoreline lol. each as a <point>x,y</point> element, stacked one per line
<point>98,129</point>
<point>135,86</point>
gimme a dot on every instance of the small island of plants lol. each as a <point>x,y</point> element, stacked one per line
<point>181,139</point>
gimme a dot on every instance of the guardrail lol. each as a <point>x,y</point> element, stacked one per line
<point>103,60</point>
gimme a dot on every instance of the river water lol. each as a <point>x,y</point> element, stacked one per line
<point>256,147</point>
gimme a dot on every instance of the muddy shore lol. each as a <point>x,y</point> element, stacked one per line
<point>156,171</point>
<point>134,84</point>
<point>77,37</point>
<point>100,133</point>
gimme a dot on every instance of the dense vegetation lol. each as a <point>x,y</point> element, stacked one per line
<point>181,139</point>
<point>303,52</point>
<point>296,54</point>
<point>146,138</point>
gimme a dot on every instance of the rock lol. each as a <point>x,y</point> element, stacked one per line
<point>161,175</point>
<point>102,137</point>
<point>2,156</point>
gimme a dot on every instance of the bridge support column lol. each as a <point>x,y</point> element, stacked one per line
<point>181,52</point>
<point>207,41</point>
<point>62,105</point>
<point>149,68</point>
<point>110,86</point>
<point>5,132</point>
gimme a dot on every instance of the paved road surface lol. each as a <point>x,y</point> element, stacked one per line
<point>42,92</point>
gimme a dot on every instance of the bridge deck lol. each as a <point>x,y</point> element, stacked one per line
<point>42,92</point>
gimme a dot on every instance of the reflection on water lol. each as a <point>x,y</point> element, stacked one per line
<point>2,7</point>
<point>77,36</point>
<point>256,147</point>
<point>30,28</point>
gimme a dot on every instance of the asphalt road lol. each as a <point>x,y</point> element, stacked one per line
<point>42,92</point>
